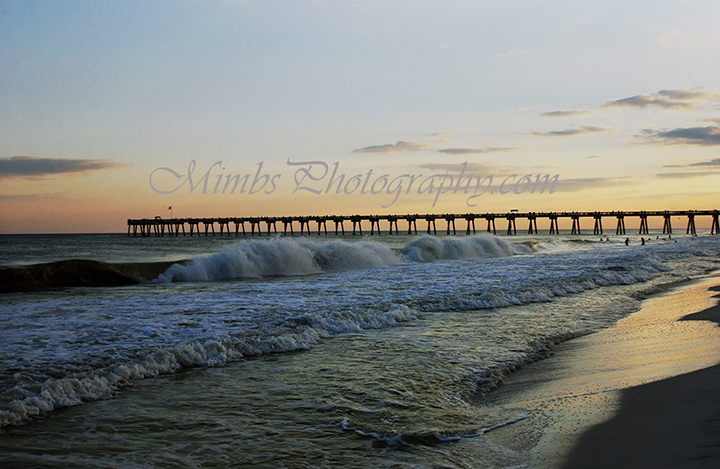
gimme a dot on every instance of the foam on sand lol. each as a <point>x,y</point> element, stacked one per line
<point>581,385</point>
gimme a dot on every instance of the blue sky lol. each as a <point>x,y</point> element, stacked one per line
<point>621,99</point>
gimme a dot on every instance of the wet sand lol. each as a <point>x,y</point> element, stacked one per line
<point>670,423</point>
<point>644,393</point>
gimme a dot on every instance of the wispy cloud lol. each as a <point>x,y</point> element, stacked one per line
<point>558,114</point>
<point>687,175</point>
<point>443,134</point>
<point>579,184</point>
<point>703,136</point>
<point>32,166</point>
<point>668,38</point>
<point>498,171</point>
<point>473,151</point>
<point>29,197</point>
<point>395,147</point>
<point>688,98</point>
<point>578,130</point>
<point>457,168</point>
<point>714,120</point>
<point>713,163</point>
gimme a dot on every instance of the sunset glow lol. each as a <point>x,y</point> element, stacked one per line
<point>119,110</point>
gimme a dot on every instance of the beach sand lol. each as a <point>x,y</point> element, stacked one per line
<point>644,393</point>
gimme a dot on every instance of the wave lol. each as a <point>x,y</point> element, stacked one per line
<point>428,248</point>
<point>302,327</point>
<point>78,273</point>
<point>37,399</point>
<point>287,257</point>
<point>254,259</point>
<point>303,332</point>
<point>429,438</point>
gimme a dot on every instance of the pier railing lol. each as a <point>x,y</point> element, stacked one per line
<point>256,225</point>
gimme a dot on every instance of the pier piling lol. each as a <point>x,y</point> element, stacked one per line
<point>157,226</point>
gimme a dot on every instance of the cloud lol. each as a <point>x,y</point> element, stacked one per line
<point>472,151</point>
<point>500,172</point>
<point>668,99</point>
<point>703,136</point>
<point>394,147</point>
<point>691,93</point>
<point>579,130</point>
<point>554,114</point>
<point>442,134</point>
<point>458,167</point>
<point>29,197</point>
<point>682,175</point>
<point>714,120</point>
<point>699,169</point>
<point>32,166</point>
<point>579,184</point>
<point>711,163</point>
<point>669,38</point>
<point>715,162</point>
<point>644,100</point>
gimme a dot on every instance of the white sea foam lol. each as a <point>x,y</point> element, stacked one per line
<point>287,257</point>
<point>429,248</point>
<point>65,392</point>
<point>281,257</point>
<point>102,344</point>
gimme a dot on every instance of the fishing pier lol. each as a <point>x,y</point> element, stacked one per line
<point>256,225</point>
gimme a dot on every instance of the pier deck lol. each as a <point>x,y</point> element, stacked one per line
<point>257,225</point>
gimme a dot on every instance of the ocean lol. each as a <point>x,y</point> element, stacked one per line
<point>313,351</point>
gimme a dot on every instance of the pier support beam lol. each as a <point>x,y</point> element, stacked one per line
<point>532,224</point>
<point>321,223</point>
<point>392,219</point>
<point>512,228</point>
<point>304,223</point>
<point>554,229</point>
<point>287,223</point>
<point>620,224</point>
<point>691,224</point>
<point>356,221</point>
<point>209,223</point>
<point>373,222</point>
<point>412,224</point>
<point>450,220</point>
<point>339,224</point>
<point>491,222</point>
<point>470,218</point>
<point>667,227</point>
<point>643,223</point>
<point>576,224</point>
<point>194,224</point>
<point>255,223</point>
<point>271,223</point>
<point>224,224</point>
<point>156,227</point>
<point>431,222</point>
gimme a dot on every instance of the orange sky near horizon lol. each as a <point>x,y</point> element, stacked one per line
<point>618,101</point>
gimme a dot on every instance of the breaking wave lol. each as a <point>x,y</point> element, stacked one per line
<point>287,257</point>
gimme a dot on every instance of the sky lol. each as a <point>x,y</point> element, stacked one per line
<point>112,110</point>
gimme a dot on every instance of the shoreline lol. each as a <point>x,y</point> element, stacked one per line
<point>616,398</point>
<point>674,422</point>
